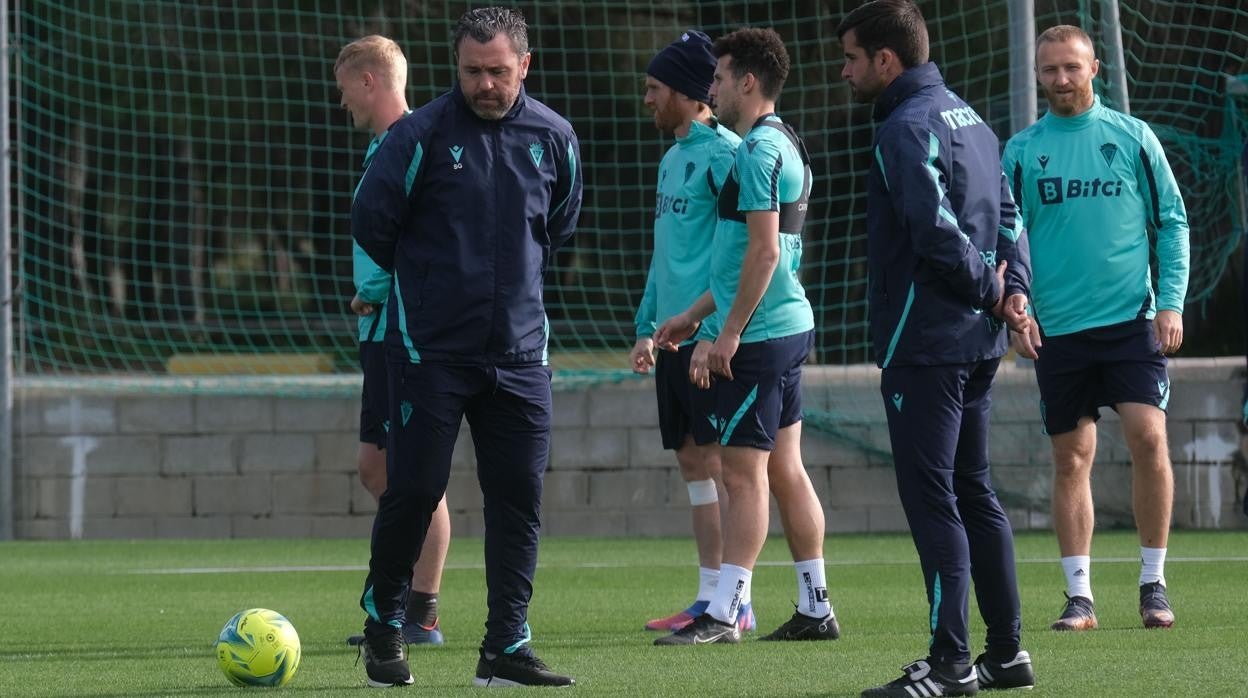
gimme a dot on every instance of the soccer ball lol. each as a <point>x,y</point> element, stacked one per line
<point>258,647</point>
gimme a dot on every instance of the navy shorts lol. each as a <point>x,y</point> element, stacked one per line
<point>1081,372</point>
<point>764,396</point>
<point>675,396</point>
<point>375,397</point>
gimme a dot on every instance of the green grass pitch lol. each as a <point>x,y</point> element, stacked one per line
<point>100,618</point>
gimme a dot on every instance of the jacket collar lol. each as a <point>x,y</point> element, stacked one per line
<point>906,84</point>
<point>458,95</point>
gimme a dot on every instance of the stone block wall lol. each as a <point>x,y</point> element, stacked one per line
<point>118,462</point>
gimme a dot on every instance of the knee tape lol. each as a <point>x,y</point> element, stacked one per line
<point>702,492</point>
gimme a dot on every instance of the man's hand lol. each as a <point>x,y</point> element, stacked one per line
<point>1015,313</point>
<point>1027,342</point>
<point>359,307</point>
<point>1168,327</point>
<point>641,358</point>
<point>699,374</point>
<point>677,329</point>
<point>720,359</point>
<point>1011,310</point>
<point>998,309</point>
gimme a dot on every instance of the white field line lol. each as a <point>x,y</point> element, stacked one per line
<point>616,565</point>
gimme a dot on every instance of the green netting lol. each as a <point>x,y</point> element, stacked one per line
<point>183,171</point>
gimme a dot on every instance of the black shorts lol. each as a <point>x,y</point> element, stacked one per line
<point>675,396</point>
<point>764,396</point>
<point>1081,372</point>
<point>375,397</point>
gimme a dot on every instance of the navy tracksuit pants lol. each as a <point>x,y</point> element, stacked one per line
<point>509,414</point>
<point>938,425</point>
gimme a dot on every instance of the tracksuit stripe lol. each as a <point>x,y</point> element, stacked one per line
<point>412,354</point>
<point>879,159</point>
<point>736,418</point>
<point>905,313</point>
<point>412,168</point>
<point>933,150</point>
<point>571,182</point>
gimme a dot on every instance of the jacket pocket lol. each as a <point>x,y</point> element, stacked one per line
<point>877,287</point>
<point>419,287</point>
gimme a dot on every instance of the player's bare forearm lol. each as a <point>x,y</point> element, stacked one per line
<point>682,326</point>
<point>762,254</point>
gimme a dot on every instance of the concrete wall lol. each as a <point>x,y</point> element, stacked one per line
<point>122,460</point>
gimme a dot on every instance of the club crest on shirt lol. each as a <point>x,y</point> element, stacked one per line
<point>1109,151</point>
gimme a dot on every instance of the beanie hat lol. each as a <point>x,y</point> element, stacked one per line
<point>686,65</point>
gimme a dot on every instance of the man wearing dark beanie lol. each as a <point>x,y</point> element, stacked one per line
<point>687,66</point>
<point>690,176</point>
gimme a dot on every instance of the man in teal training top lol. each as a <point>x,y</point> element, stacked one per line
<point>1091,183</point>
<point>690,176</point>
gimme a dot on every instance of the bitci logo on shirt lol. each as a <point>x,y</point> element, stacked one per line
<point>1055,190</point>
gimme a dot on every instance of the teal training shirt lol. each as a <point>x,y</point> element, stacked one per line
<point>372,284</point>
<point>690,176</point>
<point>1089,188</point>
<point>768,174</point>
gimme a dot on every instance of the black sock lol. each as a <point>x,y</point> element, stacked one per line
<point>422,608</point>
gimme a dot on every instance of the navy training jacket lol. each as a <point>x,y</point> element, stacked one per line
<point>939,218</point>
<point>468,214</point>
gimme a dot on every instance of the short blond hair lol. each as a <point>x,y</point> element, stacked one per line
<point>1063,33</point>
<point>378,55</point>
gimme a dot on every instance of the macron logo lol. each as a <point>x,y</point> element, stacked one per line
<point>716,423</point>
<point>963,116</point>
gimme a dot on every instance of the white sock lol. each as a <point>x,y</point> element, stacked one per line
<point>707,579</point>
<point>1078,569</point>
<point>1152,565</point>
<point>734,582</point>
<point>812,589</point>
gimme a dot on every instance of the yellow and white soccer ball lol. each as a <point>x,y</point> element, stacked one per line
<point>258,647</point>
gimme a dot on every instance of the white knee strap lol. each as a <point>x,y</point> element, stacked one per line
<point>702,492</point>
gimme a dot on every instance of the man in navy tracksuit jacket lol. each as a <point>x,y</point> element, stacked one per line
<point>467,201</point>
<point>941,225</point>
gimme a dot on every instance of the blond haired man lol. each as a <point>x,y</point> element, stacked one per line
<point>1090,184</point>
<point>371,73</point>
